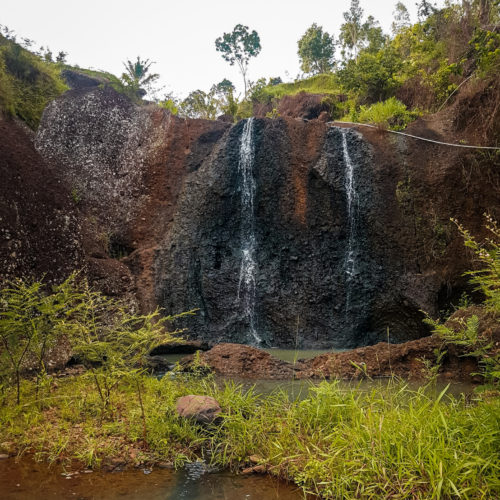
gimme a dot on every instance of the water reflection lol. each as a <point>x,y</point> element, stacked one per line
<point>29,480</point>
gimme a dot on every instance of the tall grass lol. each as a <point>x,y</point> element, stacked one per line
<point>392,442</point>
<point>318,84</point>
<point>27,82</point>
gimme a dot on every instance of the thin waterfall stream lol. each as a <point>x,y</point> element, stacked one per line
<point>352,212</point>
<point>246,282</point>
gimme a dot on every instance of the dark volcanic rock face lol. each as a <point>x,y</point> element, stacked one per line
<point>303,291</point>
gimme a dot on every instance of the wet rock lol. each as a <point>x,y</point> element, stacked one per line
<point>202,409</point>
<point>165,465</point>
<point>159,364</point>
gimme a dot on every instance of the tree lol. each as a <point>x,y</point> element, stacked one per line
<point>425,9</point>
<point>356,35</point>
<point>199,104</point>
<point>223,88</point>
<point>238,47</point>
<point>373,36</point>
<point>316,50</point>
<point>224,91</point>
<point>138,75</point>
<point>61,57</point>
<point>401,18</point>
<point>351,32</point>
<point>372,76</point>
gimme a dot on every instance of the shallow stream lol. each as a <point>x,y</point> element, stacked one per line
<point>28,480</point>
<point>25,479</point>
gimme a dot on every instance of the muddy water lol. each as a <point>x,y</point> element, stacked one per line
<point>29,480</point>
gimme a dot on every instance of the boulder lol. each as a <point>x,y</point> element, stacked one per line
<point>202,409</point>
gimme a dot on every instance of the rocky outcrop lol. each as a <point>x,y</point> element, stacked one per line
<point>302,105</point>
<point>40,232</point>
<point>80,80</point>
<point>411,360</point>
<point>321,237</point>
<point>124,165</point>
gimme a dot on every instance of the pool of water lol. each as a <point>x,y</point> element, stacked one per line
<point>300,389</point>
<point>29,480</point>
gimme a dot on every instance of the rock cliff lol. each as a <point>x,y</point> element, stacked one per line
<point>294,232</point>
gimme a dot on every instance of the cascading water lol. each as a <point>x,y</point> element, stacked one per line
<point>246,283</point>
<point>352,213</point>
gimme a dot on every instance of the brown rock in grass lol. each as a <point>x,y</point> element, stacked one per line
<point>203,409</point>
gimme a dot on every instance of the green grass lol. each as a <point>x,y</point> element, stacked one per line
<point>27,83</point>
<point>99,74</point>
<point>318,84</point>
<point>392,442</point>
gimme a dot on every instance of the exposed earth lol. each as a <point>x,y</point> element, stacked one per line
<point>149,206</point>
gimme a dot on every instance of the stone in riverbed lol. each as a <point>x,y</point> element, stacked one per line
<point>203,409</point>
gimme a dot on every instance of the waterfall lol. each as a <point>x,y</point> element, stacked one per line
<point>352,212</point>
<point>246,283</point>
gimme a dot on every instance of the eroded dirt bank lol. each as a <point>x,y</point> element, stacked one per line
<point>411,360</point>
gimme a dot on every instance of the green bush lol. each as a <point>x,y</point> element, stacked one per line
<point>388,114</point>
<point>109,340</point>
<point>467,331</point>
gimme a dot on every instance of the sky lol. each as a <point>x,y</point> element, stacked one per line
<point>179,36</point>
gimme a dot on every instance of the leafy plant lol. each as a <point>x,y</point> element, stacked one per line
<point>388,114</point>
<point>487,278</point>
<point>138,76</point>
<point>31,323</point>
<point>466,331</point>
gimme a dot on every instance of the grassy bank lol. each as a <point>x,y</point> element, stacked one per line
<point>27,82</point>
<point>338,443</point>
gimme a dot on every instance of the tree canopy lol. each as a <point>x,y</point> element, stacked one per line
<point>316,50</point>
<point>238,47</point>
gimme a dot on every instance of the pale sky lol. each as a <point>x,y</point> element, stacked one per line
<point>179,35</point>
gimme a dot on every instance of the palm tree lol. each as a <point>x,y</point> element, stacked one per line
<point>136,75</point>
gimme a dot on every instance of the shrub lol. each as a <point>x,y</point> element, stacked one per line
<point>388,114</point>
<point>467,332</point>
<point>108,339</point>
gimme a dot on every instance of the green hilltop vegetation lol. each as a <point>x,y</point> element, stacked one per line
<point>364,74</point>
<point>28,81</point>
